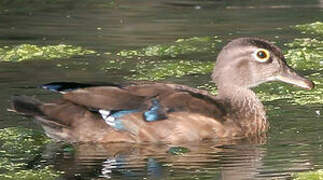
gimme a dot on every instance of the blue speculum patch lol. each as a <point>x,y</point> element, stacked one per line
<point>155,112</point>
<point>114,118</point>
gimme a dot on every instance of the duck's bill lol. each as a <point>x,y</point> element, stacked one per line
<point>291,77</point>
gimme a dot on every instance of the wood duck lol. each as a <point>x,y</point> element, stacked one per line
<point>163,112</point>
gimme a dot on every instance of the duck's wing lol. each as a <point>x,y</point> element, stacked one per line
<point>155,100</point>
<point>97,96</point>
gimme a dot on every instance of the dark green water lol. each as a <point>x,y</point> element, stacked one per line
<point>294,142</point>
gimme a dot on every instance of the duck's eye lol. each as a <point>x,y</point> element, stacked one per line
<point>262,55</point>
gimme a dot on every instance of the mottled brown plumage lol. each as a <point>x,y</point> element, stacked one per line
<point>161,112</point>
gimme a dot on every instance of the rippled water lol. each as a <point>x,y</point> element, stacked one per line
<point>294,141</point>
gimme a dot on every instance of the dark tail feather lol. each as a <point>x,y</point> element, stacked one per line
<point>26,105</point>
<point>29,106</point>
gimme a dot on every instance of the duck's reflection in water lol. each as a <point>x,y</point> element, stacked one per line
<point>240,159</point>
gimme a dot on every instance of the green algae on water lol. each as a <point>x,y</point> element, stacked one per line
<point>45,173</point>
<point>305,53</point>
<point>312,28</point>
<point>179,47</point>
<point>116,64</point>
<point>211,87</point>
<point>147,69</point>
<point>311,175</point>
<point>154,71</point>
<point>25,52</point>
<point>18,146</point>
<point>21,141</point>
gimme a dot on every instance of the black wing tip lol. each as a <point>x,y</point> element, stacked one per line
<point>63,87</point>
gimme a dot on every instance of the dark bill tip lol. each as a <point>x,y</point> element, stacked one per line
<point>310,85</point>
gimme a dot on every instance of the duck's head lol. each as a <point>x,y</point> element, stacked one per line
<point>247,62</point>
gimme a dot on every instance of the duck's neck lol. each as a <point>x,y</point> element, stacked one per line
<point>243,107</point>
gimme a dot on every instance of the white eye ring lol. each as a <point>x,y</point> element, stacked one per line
<point>261,55</point>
